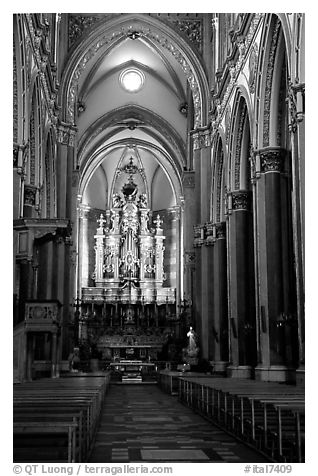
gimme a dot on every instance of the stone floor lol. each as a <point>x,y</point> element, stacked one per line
<point>142,424</point>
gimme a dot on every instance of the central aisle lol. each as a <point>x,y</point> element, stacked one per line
<point>140,423</point>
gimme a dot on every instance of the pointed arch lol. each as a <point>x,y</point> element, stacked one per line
<point>155,31</point>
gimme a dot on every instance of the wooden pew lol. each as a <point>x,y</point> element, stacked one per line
<point>58,406</point>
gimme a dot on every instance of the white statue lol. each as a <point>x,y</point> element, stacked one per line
<point>192,346</point>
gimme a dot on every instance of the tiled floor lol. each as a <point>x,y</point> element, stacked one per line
<point>142,424</point>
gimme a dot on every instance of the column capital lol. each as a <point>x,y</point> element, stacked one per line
<point>201,138</point>
<point>199,235</point>
<point>272,159</point>
<point>220,230</point>
<point>238,200</point>
<point>66,133</point>
<point>83,210</point>
<point>175,212</point>
<point>209,234</point>
<point>29,194</point>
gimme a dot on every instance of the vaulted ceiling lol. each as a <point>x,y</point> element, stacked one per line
<point>150,125</point>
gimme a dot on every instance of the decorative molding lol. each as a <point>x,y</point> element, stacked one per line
<point>235,69</point>
<point>41,60</point>
<point>188,179</point>
<point>252,67</point>
<point>269,81</point>
<point>15,95</point>
<point>272,160</point>
<point>238,146</point>
<point>227,124</point>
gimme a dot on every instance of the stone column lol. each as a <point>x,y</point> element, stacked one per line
<point>199,237</point>
<point>202,166</point>
<point>296,98</point>
<point>176,235</point>
<point>83,264</point>
<point>271,210</point>
<point>188,181</point>
<point>239,289</point>
<point>220,313</point>
<point>208,293</point>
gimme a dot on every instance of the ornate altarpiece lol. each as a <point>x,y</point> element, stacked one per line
<point>129,293</point>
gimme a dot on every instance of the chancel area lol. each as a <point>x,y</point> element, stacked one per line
<point>158,231</point>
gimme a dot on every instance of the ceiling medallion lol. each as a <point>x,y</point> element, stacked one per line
<point>132,80</point>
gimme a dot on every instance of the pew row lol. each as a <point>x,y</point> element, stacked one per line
<point>56,419</point>
<point>269,416</point>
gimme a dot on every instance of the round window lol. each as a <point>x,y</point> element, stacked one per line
<point>132,80</point>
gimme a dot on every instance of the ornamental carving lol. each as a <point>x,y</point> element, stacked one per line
<point>192,29</point>
<point>66,134</point>
<point>241,200</point>
<point>237,67</point>
<point>219,176</point>
<point>201,139</point>
<point>238,147</point>
<point>15,96</point>
<point>29,195</point>
<point>252,67</point>
<point>199,235</point>
<point>35,37</point>
<point>210,238</point>
<point>272,160</point>
<point>268,82</point>
<point>227,124</point>
<point>78,24</point>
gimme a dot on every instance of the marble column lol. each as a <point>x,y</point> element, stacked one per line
<point>241,323</point>
<point>188,180</point>
<point>176,230</point>
<point>220,314</point>
<point>271,214</point>
<point>297,138</point>
<point>208,293</point>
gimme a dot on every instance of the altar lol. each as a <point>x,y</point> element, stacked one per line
<point>129,311</point>
<point>133,371</point>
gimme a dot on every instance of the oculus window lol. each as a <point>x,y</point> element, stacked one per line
<point>132,80</point>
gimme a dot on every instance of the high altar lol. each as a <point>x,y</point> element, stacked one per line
<point>129,312</point>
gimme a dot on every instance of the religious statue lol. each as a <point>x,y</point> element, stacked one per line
<point>142,202</point>
<point>117,201</point>
<point>190,353</point>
